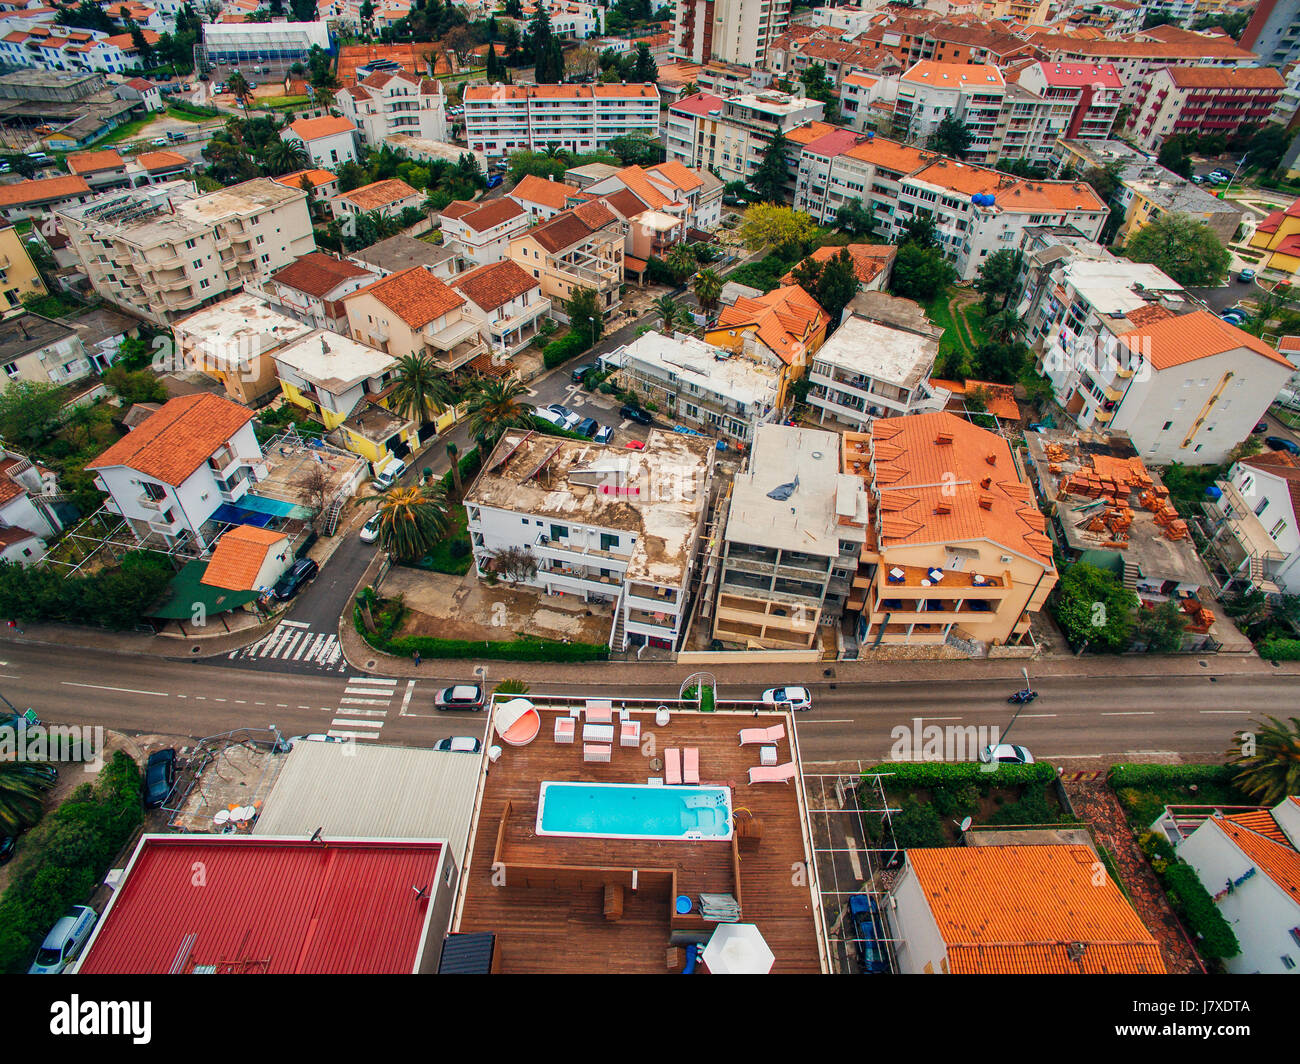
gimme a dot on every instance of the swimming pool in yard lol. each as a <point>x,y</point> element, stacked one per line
<point>634,811</point>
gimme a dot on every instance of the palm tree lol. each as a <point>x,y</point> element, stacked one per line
<point>672,313</point>
<point>495,407</point>
<point>1004,327</point>
<point>1271,770</point>
<point>681,261</point>
<point>412,520</point>
<point>421,389</point>
<point>286,157</point>
<point>22,787</point>
<point>708,288</point>
<point>238,87</point>
<point>452,451</point>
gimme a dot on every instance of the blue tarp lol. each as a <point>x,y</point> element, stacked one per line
<point>237,515</point>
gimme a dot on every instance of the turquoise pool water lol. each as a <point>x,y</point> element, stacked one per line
<point>634,811</point>
<point>274,507</point>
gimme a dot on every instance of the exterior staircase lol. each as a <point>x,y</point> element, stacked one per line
<point>617,634</point>
<point>1131,576</point>
<point>331,520</point>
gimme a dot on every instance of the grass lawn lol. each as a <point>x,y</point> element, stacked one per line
<point>185,116</point>
<point>53,306</point>
<point>124,132</point>
<point>952,346</point>
<point>440,559</point>
<point>281,101</point>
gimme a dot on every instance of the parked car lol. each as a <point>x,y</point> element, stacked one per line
<point>588,427</point>
<point>159,142</point>
<point>1246,275</point>
<point>798,698</point>
<point>390,474</point>
<point>636,445</point>
<point>370,530</point>
<point>317,737</point>
<point>64,941</point>
<point>1233,317</point>
<point>1261,427</point>
<point>604,434</point>
<point>1006,754</point>
<point>8,843</point>
<point>1278,443</point>
<point>461,696</point>
<point>635,413</point>
<point>549,416</point>
<point>494,180</point>
<point>294,580</point>
<point>579,372</point>
<point>159,777</point>
<point>460,744</point>
<point>568,418</point>
<point>869,935</point>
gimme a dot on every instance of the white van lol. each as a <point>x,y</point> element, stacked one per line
<point>549,416</point>
<point>64,941</point>
<point>390,473</point>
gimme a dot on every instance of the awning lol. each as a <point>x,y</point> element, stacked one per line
<point>237,515</point>
<point>186,595</point>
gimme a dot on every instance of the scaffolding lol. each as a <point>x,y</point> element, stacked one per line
<point>855,853</point>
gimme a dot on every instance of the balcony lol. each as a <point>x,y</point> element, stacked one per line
<point>546,547</point>
<point>147,502</point>
<point>917,582</point>
<point>464,352</point>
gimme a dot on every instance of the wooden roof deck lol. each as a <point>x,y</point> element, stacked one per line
<point>545,902</point>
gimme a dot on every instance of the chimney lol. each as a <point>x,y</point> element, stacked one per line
<point>986,502</point>
<point>943,508</point>
<point>991,458</point>
<point>986,482</point>
<point>943,438</point>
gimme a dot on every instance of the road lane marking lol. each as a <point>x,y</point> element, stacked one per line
<point>410,690</point>
<point>342,734</point>
<point>358,723</point>
<point>1035,716</point>
<point>363,701</point>
<point>1233,712</point>
<point>354,711</point>
<point>843,721</point>
<point>372,679</point>
<point>296,624</point>
<point>124,690</point>
<point>1133,713</point>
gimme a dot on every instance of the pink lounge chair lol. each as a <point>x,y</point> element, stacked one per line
<point>600,711</point>
<point>691,765</point>
<point>672,766</point>
<point>597,752</point>
<point>773,774</point>
<point>629,733</point>
<point>762,736</point>
<point>564,729</point>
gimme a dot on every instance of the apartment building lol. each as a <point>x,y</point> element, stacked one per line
<point>37,197</point>
<point>162,251</point>
<point>582,247</point>
<point>509,299</point>
<point>929,92</point>
<point>500,119</point>
<point>29,513</point>
<point>1092,92</point>
<point>697,385</point>
<point>1202,100</point>
<point>395,102</point>
<point>40,350</point>
<point>1274,32</point>
<point>170,475</point>
<point>693,196</point>
<point>796,51</point>
<point>101,170</point>
<point>1279,236</point>
<point>385,198</point>
<point>608,525</point>
<point>783,329</point>
<point>329,141</point>
<point>795,527</point>
<point>734,31</point>
<point>414,313</point>
<point>232,343</point>
<point>1255,525</point>
<point>18,277</point>
<point>345,385</point>
<point>868,370</point>
<point>1148,190</point>
<point>956,547</point>
<point>56,47</point>
<point>311,289</point>
<point>543,199</point>
<point>481,232</point>
<point>730,136</point>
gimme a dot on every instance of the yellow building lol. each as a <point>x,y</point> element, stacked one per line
<point>18,277</point>
<point>1279,235</point>
<point>782,329</point>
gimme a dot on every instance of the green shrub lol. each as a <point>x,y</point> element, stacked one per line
<point>1128,775</point>
<point>112,598</point>
<point>560,351</point>
<point>931,774</point>
<point>917,825</point>
<point>1192,902</point>
<point>1280,649</point>
<point>1032,808</point>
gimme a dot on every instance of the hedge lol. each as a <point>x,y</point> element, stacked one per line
<point>66,856</point>
<point>113,598</point>
<point>515,650</point>
<point>1123,776</point>
<point>1193,903</point>
<point>942,773</point>
<point>544,426</point>
<point>1280,649</point>
<point>559,351</point>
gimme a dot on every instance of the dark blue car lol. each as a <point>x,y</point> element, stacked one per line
<point>869,935</point>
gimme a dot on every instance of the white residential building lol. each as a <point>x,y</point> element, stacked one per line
<point>169,475</point>
<point>481,232</point>
<point>1087,95</point>
<point>731,135</point>
<point>1256,529</point>
<point>1249,863</point>
<point>161,251</point>
<point>28,513</point>
<point>868,370</point>
<point>40,350</point>
<point>502,118</point>
<point>509,299</point>
<point>395,103</point>
<point>734,31</point>
<point>329,141</point>
<point>602,523</point>
<point>385,198</point>
<point>931,91</point>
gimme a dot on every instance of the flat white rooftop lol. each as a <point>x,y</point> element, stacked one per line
<point>893,356</point>
<point>333,362</point>
<point>240,328</point>
<point>1111,285</point>
<point>703,366</point>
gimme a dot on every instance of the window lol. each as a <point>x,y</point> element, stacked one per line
<point>1263,505</point>
<point>1167,426</point>
<point>559,532</point>
<point>1277,530</point>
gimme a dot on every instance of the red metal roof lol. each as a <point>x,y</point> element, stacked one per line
<point>269,905</point>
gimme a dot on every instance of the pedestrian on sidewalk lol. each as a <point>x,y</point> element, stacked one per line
<point>14,626</point>
<point>415,656</point>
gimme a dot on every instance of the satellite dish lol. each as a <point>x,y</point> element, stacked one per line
<point>965,825</point>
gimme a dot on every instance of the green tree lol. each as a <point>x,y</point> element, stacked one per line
<point>412,520</point>
<point>285,157</point>
<point>29,410</point>
<point>681,261</point>
<point>783,229</point>
<point>646,70</point>
<point>816,85</point>
<point>22,791</point>
<point>238,87</point>
<point>495,406</point>
<point>920,273</point>
<point>421,389</point>
<point>708,288</point>
<point>921,231</point>
<point>585,317</point>
<point>999,279</point>
<point>1269,766</point>
<point>836,285</point>
<point>951,137</point>
<point>770,178</point>
<point>1095,609</point>
<point>854,219</point>
<point>1185,249</point>
<point>1161,628</point>
<point>136,386</point>
<point>636,149</point>
<point>670,312</point>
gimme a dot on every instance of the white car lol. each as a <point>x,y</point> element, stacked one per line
<point>1006,754</point>
<point>287,744</point>
<point>64,942</point>
<point>370,530</point>
<point>460,744</point>
<point>798,698</point>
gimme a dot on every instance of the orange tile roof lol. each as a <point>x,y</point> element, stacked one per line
<point>316,177</point>
<point>534,189</point>
<point>809,132</point>
<point>171,444</point>
<point>1261,822</point>
<point>916,459</point>
<point>42,190</point>
<point>784,319</point>
<point>494,285</point>
<point>1200,334</point>
<point>483,216</point>
<point>317,273</point>
<point>889,154</point>
<point>1031,910</point>
<point>161,160</point>
<point>1000,401</point>
<point>634,178</point>
<point>954,75</point>
<point>1280,861</point>
<point>415,295</point>
<point>379,194</point>
<point>1210,77</point>
<point>868,260</point>
<point>326,126</point>
<point>676,174</point>
<point>1011,193</point>
<point>239,555</point>
<point>92,162</point>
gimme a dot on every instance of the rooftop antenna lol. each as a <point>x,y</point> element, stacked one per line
<point>316,835</point>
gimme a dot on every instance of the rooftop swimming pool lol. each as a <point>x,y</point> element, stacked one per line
<point>634,811</point>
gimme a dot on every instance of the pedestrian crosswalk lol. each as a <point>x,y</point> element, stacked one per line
<point>295,642</point>
<point>364,706</point>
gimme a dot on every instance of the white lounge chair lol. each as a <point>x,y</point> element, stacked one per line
<point>691,765</point>
<point>600,711</point>
<point>629,733</point>
<point>775,774</point>
<point>672,766</point>
<point>762,736</point>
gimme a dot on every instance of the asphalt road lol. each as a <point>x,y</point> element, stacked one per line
<point>1100,717</point>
